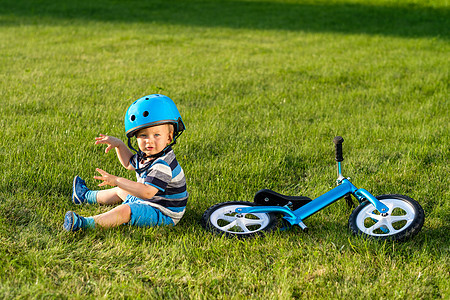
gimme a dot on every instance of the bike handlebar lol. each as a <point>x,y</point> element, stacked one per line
<point>338,145</point>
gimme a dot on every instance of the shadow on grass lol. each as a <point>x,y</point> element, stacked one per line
<point>406,20</point>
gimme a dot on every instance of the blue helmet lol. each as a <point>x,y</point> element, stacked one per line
<point>152,110</point>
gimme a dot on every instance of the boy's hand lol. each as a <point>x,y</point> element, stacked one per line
<point>107,178</point>
<point>111,141</point>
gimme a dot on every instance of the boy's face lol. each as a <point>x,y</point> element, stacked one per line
<point>152,140</point>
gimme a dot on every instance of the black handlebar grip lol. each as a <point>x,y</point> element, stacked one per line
<point>338,142</point>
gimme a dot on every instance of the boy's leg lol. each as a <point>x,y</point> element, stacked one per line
<point>111,196</point>
<point>81,194</point>
<point>115,217</point>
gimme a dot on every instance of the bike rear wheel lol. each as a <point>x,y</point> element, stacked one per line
<point>223,219</point>
<point>404,220</point>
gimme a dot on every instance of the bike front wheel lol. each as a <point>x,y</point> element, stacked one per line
<point>403,221</point>
<point>223,219</point>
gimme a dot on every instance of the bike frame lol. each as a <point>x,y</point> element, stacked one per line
<point>296,217</point>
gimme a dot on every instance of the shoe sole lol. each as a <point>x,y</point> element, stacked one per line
<point>75,198</point>
<point>68,221</point>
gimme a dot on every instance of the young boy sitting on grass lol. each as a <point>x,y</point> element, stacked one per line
<point>159,196</point>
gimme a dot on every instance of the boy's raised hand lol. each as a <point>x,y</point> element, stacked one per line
<point>111,141</point>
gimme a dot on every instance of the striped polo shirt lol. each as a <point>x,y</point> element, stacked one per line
<point>167,176</point>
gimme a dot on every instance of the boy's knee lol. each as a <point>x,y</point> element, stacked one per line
<point>122,194</point>
<point>125,210</point>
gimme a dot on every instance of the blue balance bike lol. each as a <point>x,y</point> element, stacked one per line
<point>385,217</point>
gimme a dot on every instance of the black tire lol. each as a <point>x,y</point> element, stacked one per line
<point>405,219</point>
<point>222,219</point>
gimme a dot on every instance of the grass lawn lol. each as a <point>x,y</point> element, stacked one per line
<point>263,87</point>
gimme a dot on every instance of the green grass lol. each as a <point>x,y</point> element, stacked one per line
<point>263,87</point>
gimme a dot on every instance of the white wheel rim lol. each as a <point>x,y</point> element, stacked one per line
<point>400,216</point>
<point>226,219</point>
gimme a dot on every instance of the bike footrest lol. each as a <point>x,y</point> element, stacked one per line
<point>302,226</point>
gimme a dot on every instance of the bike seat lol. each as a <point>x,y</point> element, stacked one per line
<point>270,198</point>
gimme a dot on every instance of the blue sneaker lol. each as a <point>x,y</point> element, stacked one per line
<point>72,221</point>
<point>79,190</point>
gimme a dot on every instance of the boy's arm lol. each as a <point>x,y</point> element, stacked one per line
<point>134,188</point>
<point>123,153</point>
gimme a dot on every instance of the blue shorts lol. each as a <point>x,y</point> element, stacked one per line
<point>144,215</point>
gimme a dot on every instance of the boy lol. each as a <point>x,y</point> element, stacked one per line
<point>159,196</point>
